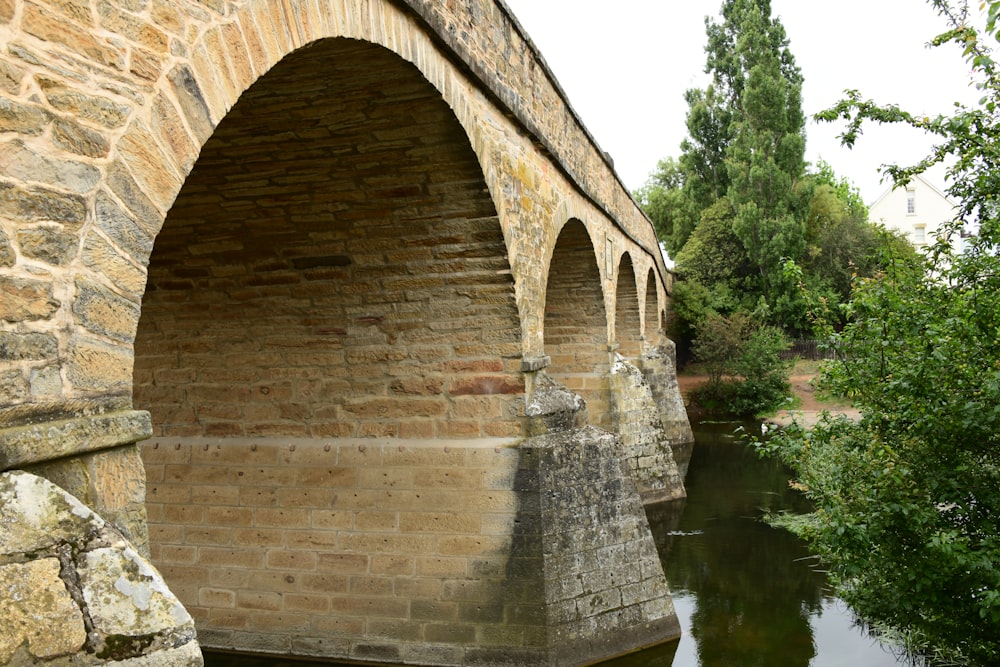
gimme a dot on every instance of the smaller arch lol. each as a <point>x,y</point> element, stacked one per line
<point>628,326</point>
<point>575,324</point>
<point>653,325</point>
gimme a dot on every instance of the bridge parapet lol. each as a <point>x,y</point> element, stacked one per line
<point>513,69</point>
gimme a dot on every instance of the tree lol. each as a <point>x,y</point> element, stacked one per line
<point>663,199</point>
<point>752,63</point>
<point>908,498</point>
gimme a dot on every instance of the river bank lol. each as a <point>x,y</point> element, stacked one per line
<point>808,406</point>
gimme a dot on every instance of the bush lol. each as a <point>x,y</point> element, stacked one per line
<point>746,374</point>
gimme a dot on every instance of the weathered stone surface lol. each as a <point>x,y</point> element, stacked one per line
<point>26,164</point>
<point>59,564</point>
<point>131,27</point>
<point>7,255</point>
<point>102,311</point>
<point>41,205</point>
<point>27,444</point>
<point>193,105</point>
<point>94,108</point>
<point>13,385</point>
<point>142,209</point>
<point>80,39</point>
<point>637,421</point>
<point>123,230</point>
<point>34,516</point>
<point>10,74</point>
<point>166,122</point>
<point>79,139</point>
<point>552,407</point>
<point>659,366</point>
<point>582,523</point>
<point>37,610</point>
<point>149,167</point>
<point>46,383</point>
<point>100,255</point>
<point>23,299</point>
<point>126,596</point>
<point>33,346</point>
<point>51,246</point>
<point>22,118</point>
<point>94,365</point>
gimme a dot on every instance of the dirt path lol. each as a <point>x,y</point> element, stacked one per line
<point>807,412</point>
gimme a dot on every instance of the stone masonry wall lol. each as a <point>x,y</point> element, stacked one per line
<point>659,368</point>
<point>583,525</point>
<point>362,245</point>
<point>391,551</point>
<point>103,113</point>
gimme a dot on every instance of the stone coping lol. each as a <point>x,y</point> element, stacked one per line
<point>25,445</point>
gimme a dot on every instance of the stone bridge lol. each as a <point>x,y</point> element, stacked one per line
<point>386,326</point>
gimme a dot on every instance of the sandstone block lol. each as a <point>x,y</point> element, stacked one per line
<point>46,383</point>
<point>78,139</point>
<point>24,163</point>
<point>37,610</point>
<point>84,105</point>
<point>7,254</point>
<point>99,366</point>
<point>22,118</point>
<point>42,205</point>
<point>51,246</point>
<point>101,255</point>
<point>30,346</point>
<point>193,105</point>
<point>23,299</point>
<point>49,26</point>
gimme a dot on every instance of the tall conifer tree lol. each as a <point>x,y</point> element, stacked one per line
<point>756,74</point>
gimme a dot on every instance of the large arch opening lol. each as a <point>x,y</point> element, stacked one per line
<point>329,347</point>
<point>628,328</point>
<point>575,321</point>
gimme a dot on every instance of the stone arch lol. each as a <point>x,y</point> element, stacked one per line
<point>628,327</point>
<point>652,326</point>
<point>335,254</point>
<point>331,278</point>
<point>161,138</point>
<point>123,122</point>
<point>575,327</point>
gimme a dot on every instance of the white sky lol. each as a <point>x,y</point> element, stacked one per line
<point>625,67</point>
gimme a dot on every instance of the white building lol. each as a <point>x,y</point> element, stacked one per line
<point>917,210</point>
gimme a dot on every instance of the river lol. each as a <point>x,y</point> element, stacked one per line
<point>747,595</point>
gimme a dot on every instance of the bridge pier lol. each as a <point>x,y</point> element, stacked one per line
<point>584,530</point>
